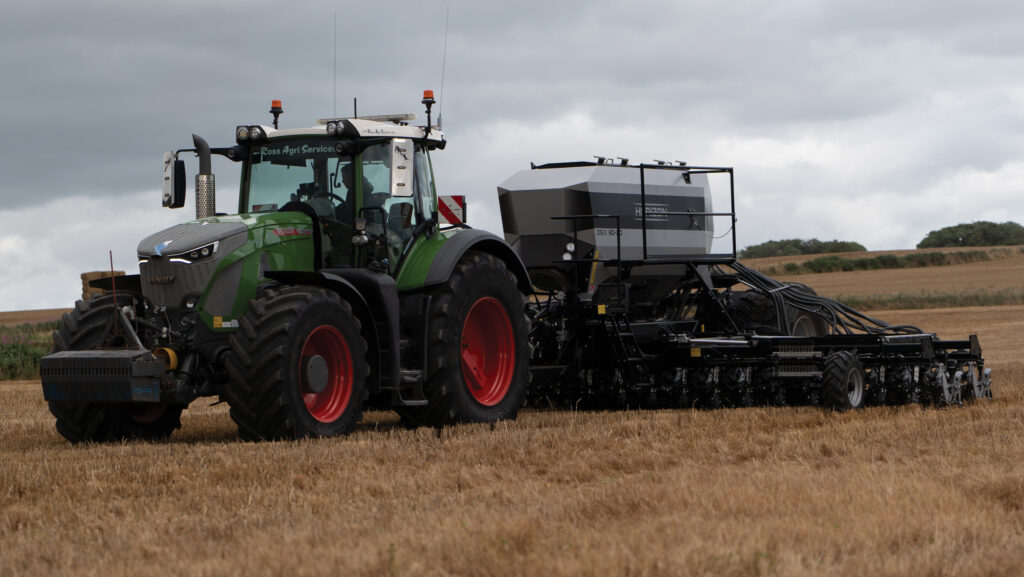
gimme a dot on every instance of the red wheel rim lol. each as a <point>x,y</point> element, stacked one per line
<point>330,402</point>
<point>488,351</point>
<point>145,414</point>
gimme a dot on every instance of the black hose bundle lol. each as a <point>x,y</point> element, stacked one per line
<point>840,317</point>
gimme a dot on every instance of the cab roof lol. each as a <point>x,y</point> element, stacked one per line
<point>387,126</point>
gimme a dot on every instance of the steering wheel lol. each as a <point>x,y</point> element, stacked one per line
<point>312,190</point>
<point>331,196</point>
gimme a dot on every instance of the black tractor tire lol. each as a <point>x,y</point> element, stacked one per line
<point>843,382</point>
<point>479,351</point>
<point>297,366</point>
<point>84,328</point>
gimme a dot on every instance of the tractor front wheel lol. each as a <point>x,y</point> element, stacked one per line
<point>298,366</point>
<point>84,328</point>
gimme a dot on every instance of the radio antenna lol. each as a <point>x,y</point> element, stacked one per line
<point>335,113</point>
<point>444,60</point>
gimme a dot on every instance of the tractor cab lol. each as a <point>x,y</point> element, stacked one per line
<point>366,183</point>
<point>359,193</point>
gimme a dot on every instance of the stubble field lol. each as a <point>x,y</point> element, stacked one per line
<point>768,491</point>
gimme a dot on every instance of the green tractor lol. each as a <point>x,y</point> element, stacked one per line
<point>336,287</point>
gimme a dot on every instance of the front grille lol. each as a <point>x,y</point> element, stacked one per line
<point>166,283</point>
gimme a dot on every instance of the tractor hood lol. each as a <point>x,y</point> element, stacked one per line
<point>177,264</point>
<point>184,238</point>
<point>213,265</point>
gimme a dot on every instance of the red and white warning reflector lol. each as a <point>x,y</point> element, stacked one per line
<point>451,210</point>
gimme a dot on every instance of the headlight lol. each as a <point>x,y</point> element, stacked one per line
<point>336,128</point>
<point>570,246</point>
<point>249,133</point>
<point>196,255</point>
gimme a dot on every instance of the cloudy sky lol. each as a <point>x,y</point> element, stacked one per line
<point>858,120</point>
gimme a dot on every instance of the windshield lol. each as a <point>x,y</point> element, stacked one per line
<point>339,188</point>
<point>301,171</point>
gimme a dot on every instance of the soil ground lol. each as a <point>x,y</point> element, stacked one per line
<point>764,491</point>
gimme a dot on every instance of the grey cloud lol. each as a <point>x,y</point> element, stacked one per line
<point>912,92</point>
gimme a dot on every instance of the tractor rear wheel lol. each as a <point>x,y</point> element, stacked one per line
<point>479,353</point>
<point>84,328</point>
<point>298,366</point>
<point>843,382</point>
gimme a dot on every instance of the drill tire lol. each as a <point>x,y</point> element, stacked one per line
<point>843,382</point>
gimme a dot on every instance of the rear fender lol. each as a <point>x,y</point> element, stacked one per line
<point>477,240</point>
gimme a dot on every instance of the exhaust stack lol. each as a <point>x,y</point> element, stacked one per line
<point>206,194</point>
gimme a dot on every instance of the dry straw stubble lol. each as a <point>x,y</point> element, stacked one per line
<point>780,491</point>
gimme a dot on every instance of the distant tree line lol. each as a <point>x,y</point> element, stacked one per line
<point>795,246</point>
<point>981,233</point>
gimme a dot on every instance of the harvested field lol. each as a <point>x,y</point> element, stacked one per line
<point>978,277</point>
<point>999,328</point>
<point>31,317</point>
<point>774,491</point>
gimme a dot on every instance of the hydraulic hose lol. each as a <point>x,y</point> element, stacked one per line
<point>841,317</point>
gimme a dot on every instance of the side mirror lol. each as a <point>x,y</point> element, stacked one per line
<point>174,181</point>
<point>401,167</point>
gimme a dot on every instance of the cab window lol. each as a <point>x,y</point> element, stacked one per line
<point>395,217</point>
<point>424,181</point>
